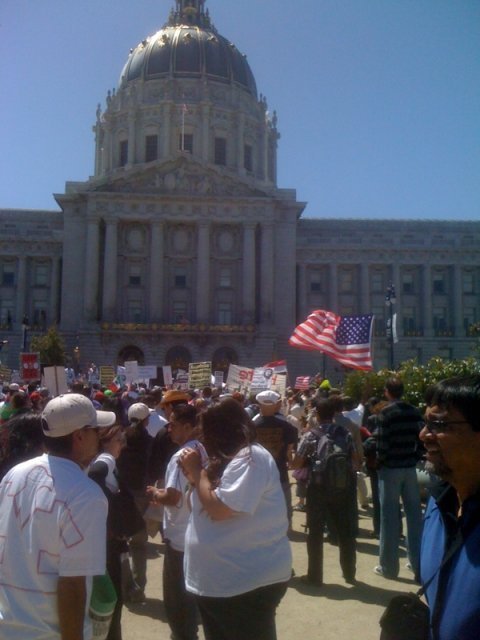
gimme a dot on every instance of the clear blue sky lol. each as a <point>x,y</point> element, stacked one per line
<point>378,101</point>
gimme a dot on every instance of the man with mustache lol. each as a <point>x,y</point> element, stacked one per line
<point>450,552</point>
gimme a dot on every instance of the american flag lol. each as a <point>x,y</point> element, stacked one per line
<point>347,339</point>
<point>302,382</point>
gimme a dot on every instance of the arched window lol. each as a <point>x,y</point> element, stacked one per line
<point>131,352</point>
<point>223,358</point>
<point>178,358</point>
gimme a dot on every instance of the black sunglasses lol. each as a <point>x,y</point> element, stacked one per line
<point>440,426</point>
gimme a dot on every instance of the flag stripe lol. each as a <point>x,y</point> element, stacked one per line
<point>347,339</point>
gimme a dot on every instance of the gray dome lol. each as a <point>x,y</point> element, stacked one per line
<point>189,47</point>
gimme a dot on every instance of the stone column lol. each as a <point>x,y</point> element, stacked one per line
<point>107,154</point>
<point>365,304</point>
<point>249,273</point>
<point>167,130</point>
<point>91,270</point>
<point>427,300</point>
<point>21,288</point>
<point>54,288</point>
<point>302,310</point>
<point>156,272</point>
<point>132,142</point>
<point>203,272</point>
<point>265,151</point>
<point>333,287</point>
<point>240,141</point>
<point>456,301</point>
<point>267,274</point>
<point>205,131</point>
<point>110,270</point>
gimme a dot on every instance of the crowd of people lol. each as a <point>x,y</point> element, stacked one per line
<point>211,472</point>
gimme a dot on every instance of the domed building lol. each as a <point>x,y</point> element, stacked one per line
<point>181,233</point>
<point>182,248</point>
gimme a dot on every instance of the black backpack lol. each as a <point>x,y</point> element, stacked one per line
<point>331,462</point>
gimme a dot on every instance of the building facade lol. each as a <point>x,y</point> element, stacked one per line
<point>181,247</point>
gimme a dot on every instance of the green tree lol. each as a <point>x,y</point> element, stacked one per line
<point>416,378</point>
<point>51,348</point>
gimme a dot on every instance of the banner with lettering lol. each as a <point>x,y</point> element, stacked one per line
<point>239,378</point>
<point>199,375</point>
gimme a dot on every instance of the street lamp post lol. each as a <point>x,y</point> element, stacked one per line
<point>25,327</point>
<point>390,300</point>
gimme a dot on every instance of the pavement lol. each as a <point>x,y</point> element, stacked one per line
<point>335,611</point>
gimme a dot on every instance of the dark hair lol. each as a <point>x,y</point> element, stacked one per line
<point>335,401</point>
<point>184,413</point>
<point>24,440</point>
<point>325,408</point>
<point>19,401</point>
<point>394,386</point>
<point>226,428</point>
<point>461,393</point>
<point>61,446</point>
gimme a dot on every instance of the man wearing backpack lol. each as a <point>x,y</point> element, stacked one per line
<point>327,452</point>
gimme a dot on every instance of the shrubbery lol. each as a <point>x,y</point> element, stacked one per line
<point>362,385</point>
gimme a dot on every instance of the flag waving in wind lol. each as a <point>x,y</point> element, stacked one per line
<point>347,339</point>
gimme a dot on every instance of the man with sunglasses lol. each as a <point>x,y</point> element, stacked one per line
<point>450,552</point>
<point>53,528</point>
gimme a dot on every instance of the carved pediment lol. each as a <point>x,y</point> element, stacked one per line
<point>180,177</point>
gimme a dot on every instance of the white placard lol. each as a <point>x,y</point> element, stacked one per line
<point>131,371</point>
<point>55,380</point>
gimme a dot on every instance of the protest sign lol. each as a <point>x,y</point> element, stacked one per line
<point>131,371</point>
<point>55,380</point>
<point>239,378</point>
<point>29,366</point>
<point>146,373</point>
<point>107,374</point>
<point>199,375</point>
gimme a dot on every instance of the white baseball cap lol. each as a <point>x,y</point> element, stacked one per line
<point>72,411</point>
<point>138,411</point>
<point>268,397</point>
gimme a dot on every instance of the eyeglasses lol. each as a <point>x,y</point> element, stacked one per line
<point>440,426</point>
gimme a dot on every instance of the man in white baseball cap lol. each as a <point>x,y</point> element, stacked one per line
<point>53,528</point>
<point>278,436</point>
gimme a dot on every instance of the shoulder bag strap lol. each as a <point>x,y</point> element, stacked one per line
<point>451,551</point>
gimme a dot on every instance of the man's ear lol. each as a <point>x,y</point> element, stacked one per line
<point>78,435</point>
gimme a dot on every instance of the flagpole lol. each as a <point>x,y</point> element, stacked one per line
<point>183,129</point>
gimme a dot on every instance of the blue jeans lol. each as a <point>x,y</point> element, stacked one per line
<point>394,484</point>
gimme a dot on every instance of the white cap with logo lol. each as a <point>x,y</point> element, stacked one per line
<point>72,411</point>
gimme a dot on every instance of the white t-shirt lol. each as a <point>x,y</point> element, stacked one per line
<point>111,480</point>
<point>52,523</point>
<point>250,550</point>
<point>175,519</point>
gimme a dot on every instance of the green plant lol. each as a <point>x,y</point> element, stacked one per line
<point>416,378</point>
<point>51,348</point>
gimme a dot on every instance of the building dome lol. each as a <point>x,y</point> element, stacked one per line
<point>187,90</point>
<point>189,46</point>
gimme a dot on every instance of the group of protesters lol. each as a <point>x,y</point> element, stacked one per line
<point>210,470</point>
